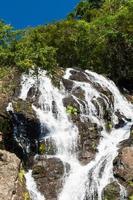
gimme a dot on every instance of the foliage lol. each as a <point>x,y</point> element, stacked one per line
<point>26,196</point>
<point>131,197</point>
<point>6,36</point>
<point>30,51</point>
<point>131,132</point>
<point>21,175</point>
<point>71,110</point>
<point>97,35</point>
<point>4,72</point>
<point>86,9</point>
<point>108,126</point>
<point>42,148</point>
<point>130,183</point>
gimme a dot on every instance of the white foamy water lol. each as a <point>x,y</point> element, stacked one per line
<point>27,81</point>
<point>32,188</point>
<point>9,107</point>
<point>83,182</point>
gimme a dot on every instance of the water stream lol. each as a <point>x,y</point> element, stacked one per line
<point>85,182</point>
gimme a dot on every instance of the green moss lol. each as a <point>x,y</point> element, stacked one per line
<point>8,77</point>
<point>109,126</point>
<point>4,125</point>
<point>21,176</point>
<point>21,106</point>
<point>130,183</point>
<point>57,74</point>
<point>42,149</point>
<point>26,196</point>
<point>131,197</point>
<point>6,89</point>
<point>4,72</point>
<point>131,132</point>
<point>111,192</point>
<point>94,145</point>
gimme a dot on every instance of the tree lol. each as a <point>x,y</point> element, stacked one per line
<point>86,9</point>
<point>6,37</point>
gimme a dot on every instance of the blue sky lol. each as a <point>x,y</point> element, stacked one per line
<point>23,13</point>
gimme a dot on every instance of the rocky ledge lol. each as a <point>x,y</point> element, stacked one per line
<point>12,180</point>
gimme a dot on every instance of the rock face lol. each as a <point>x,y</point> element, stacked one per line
<point>89,135</point>
<point>9,169</point>
<point>9,88</point>
<point>124,164</point>
<point>48,174</point>
<point>123,168</point>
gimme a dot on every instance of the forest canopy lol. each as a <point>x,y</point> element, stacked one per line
<point>97,35</point>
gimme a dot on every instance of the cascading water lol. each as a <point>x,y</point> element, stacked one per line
<point>84,181</point>
<point>32,188</point>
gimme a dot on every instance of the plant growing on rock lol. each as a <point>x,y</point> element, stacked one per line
<point>42,148</point>
<point>109,126</point>
<point>71,110</point>
<point>26,196</point>
<point>131,197</point>
<point>21,175</point>
<point>130,183</point>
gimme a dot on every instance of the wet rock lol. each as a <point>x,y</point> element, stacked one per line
<point>32,92</point>
<point>24,107</point>
<point>79,93</point>
<point>128,142</point>
<point>105,110</point>
<point>48,174</point>
<point>24,137</point>
<point>79,76</point>
<point>104,92</point>
<point>47,146</point>
<point>129,98</point>
<point>122,120</point>
<point>68,84</point>
<point>111,192</point>
<point>69,101</point>
<point>89,135</point>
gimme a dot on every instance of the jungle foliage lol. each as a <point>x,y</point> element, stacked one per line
<point>97,35</point>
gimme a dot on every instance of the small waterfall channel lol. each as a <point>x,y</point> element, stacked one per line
<point>83,182</point>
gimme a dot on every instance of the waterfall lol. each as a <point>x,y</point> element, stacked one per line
<point>84,181</point>
<point>32,188</point>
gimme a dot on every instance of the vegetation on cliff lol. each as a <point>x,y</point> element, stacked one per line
<point>97,35</point>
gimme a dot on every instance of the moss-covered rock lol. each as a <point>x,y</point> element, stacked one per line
<point>111,192</point>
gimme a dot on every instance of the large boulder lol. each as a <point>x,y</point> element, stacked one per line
<point>48,174</point>
<point>124,164</point>
<point>10,187</point>
<point>123,168</point>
